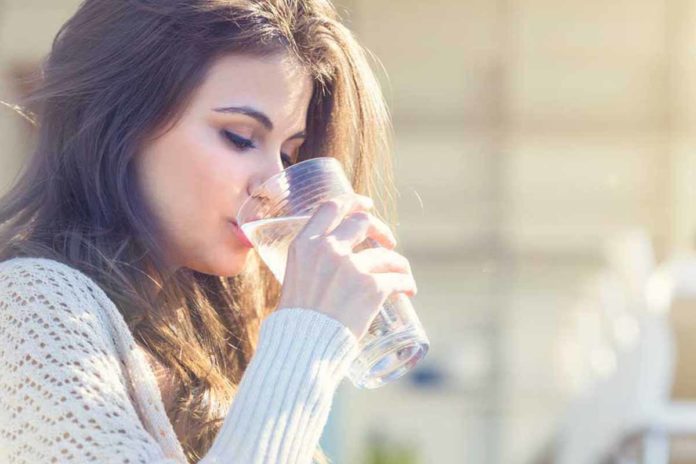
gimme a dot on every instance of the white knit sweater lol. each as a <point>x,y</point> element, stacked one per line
<point>74,387</point>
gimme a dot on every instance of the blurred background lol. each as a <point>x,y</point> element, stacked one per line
<point>546,162</point>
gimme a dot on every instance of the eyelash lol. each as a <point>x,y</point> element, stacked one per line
<point>244,144</point>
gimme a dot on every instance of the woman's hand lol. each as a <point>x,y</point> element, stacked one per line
<point>323,272</point>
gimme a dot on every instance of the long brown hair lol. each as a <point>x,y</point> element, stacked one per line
<point>119,70</point>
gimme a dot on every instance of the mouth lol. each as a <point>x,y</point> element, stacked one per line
<point>240,234</point>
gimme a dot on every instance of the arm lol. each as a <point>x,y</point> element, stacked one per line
<point>285,395</point>
<point>63,393</point>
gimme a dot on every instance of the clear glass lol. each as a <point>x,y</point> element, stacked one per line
<point>271,218</point>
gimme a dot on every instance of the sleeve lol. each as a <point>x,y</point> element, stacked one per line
<point>64,397</point>
<point>63,394</point>
<point>285,395</point>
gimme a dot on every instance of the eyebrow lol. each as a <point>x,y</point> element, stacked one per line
<point>255,114</point>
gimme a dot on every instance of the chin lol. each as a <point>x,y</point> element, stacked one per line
<point>231,266</point>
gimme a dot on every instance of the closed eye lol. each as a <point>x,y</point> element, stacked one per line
<point>244,144</point>
<point>238,141</point>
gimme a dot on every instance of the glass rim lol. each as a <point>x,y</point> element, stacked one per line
<point>282,174</point>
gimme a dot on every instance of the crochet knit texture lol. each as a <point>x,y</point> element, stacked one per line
<point>75,387</point>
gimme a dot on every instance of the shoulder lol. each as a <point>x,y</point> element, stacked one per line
<point>43,274</point>
<point>27,266</point>
<point>32,284</point>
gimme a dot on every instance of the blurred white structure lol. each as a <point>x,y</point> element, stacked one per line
<point>649,397</point>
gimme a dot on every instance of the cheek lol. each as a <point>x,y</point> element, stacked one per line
<point>187,178</point>
<point>199,172</point>
<point>193,182</point>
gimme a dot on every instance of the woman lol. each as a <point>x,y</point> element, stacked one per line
<point>132,313</point>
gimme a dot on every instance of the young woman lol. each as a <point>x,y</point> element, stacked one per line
<point>136,324</point>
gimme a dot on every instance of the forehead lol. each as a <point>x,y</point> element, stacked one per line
<point>276,85</point>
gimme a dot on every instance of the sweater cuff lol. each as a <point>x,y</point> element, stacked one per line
<point>317,342</point>
<point>285,395</point>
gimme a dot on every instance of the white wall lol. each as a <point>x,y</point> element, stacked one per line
<point>532,130</point>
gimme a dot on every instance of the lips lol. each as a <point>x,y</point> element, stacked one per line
<point>240,234</point>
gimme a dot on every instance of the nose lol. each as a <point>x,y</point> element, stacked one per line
<point>264,171</point>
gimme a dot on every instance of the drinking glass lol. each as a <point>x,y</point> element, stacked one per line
<point>271,218</point>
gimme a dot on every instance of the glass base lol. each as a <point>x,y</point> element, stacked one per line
<point>388,358</point>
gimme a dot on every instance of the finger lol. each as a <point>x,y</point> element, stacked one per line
<point>391,283</point>
<point>380,260</point>
<point>357,226</point>
<point>331,213</point>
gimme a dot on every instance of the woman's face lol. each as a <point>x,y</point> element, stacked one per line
<point>244,124</point>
